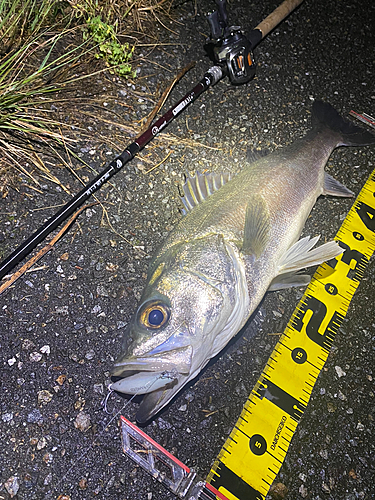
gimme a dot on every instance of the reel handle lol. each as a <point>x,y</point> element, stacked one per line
<point>218,20</point>
<point>232,49</point>
<point>222,8</point>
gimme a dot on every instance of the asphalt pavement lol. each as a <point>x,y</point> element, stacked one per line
<point>61,326</point>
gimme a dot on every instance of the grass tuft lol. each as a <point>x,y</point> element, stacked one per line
<point>28,79</point>
<point>20,18</point>
<point>35,62</point>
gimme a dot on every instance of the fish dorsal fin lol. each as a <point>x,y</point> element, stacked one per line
<point>256,230</point>
<point>253,155</point>
<point>199,187</point>
<point>335,188</point>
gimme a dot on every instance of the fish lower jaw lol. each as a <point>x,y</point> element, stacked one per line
<point>144,382</point>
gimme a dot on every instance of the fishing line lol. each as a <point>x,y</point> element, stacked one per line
<point>105,429</point>
<point>253,453</point>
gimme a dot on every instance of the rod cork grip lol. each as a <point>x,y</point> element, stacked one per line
<point>277,16</point>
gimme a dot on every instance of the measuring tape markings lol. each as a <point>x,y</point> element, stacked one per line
<point>252,456</point>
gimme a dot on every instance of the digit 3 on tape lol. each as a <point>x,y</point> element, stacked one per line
<point>255,450</point>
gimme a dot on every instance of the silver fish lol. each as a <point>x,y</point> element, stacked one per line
<point>238,239</point>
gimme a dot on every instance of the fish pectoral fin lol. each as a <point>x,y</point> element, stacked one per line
<point>257,226</point>
<point>333,187</point>
<point>289,280</point>
<point>302,254</point>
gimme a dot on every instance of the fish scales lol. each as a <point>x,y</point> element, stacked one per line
<point>289,189</point>
<point>238,239</point>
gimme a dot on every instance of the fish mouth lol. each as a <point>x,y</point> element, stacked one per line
<point>158,376</point>
<point>143,382</point>
<point>158,389</point>
<point>140,375</point>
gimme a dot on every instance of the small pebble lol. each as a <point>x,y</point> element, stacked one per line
<point>61,379</point>
<point>96,309</point>
<point>303,491</point>
<point>44,397</point>
<point>82,421</point>
<point>42,443</point>
<point>82,484</point>
<point>35,357</point>
<point>340,372</point>
<point>45,349</point>
<point>90,354</point>
<point>98,388</point>
<point>47,458</point>
<point>325,488</point>
<point>7,417</point>
<point>62,310</point>
<point>12,485</point>
<point>278,491</point>
<point>34,417</point>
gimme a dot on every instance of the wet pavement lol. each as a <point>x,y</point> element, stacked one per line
<point>61,326</point>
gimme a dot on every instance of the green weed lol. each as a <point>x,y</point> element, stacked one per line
<point>116,55</point>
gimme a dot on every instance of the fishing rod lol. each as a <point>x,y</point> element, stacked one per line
<point>232,52</point>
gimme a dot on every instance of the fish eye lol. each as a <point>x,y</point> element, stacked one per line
<point>154,315</point>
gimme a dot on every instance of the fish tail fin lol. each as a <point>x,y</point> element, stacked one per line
<point>348,134</point>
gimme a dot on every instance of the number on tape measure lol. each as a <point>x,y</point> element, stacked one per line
<point>255,449</point>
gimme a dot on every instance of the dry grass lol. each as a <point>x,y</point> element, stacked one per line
<point>27,84</point>
<point>32,71</point>
<point>127,16</point>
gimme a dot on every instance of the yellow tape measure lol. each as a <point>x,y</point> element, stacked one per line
<point>255,450</point>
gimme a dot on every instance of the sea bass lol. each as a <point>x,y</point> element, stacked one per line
<point>238,239</point>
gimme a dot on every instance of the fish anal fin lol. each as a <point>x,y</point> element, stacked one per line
<point>302,254</point>
<point>256,230</point>
<point>289,280</point>
<point>333,187</point>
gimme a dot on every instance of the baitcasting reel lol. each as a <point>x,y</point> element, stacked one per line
<point>231,50</point>
<point>230,46</point>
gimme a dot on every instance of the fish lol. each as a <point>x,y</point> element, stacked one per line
<point>238,239</point>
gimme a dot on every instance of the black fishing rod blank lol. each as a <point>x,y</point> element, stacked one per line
<point>232,52</point>
<point>212,76</point>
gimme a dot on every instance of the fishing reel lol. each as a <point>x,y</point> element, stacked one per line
<point>230,47</point>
